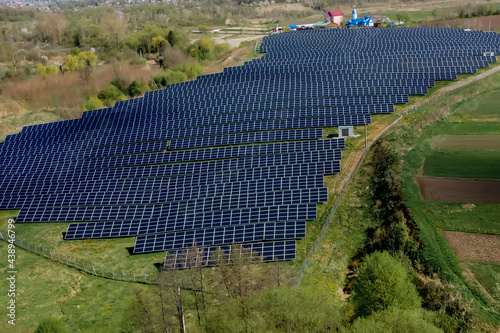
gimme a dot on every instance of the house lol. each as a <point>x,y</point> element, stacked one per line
<point>334,16</point>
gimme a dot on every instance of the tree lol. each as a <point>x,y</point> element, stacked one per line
<point>83,62</point>
<point>115,26</point>
<point>394,320</point>
<point>137,88</point>
<point>51,325</point>
<point>42,26</point>
<point>93,103</point>
<point>157,42</point>
<point>58,26</point>
<point>203,28</point>
<point>207,45</point>
<point>383,282</point>
<point>46,71</point>
<point>111,94</point>
<point>171,38</point>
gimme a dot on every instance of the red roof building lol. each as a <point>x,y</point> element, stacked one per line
<point>334,16</point>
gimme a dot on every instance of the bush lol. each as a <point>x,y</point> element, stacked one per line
<point>111,94</point>
<point>383,282</point>
<point>173,57</point>
<point>120,84</point>
<point>51,325</point>
<point>167,77</point>
<point>93,103</point>
<point>221,48</point>
<point>394,320</point>
<point>203,28</point>
<point>137,88</point>
<point>192,69</point>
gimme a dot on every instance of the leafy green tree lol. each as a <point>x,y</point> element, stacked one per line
<point>83,62</point>
<point>120,84</point>
<point>157,42</point>
<point>51,325</point>
<point>46,71</point>
<point>192,69</point>
<point>394,320</point>
<point>171,38</point>
<point>111,94</point>
<point>383,282</point>
<point>137,88</point>
<point>203,28</point>
<point>207,45</point>
<point>93,103</point>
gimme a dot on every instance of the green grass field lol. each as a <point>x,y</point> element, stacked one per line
<point>488,275</point>
<point>45,288</point>
<point>483,105</point>
<point>414,148</point>
<point>471,164</point>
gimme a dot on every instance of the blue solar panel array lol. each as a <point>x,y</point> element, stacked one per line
<point>236,157</point>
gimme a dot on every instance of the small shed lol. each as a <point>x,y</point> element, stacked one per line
<point>334,16</point>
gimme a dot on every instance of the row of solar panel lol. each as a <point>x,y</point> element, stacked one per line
<point>102,138</point>
<point>168,170</point>
<point>221,236</point>
<point>277,88</point>
<point>175,156</point>
<point>253,77</point>
<point>289,170</point>
<point>271,95</point>
<point>182,186</point>
<point>460,68</point>
<point>183,218</point>
<point>347,58</point>
<point>148,112</point>
<point>302,113</point>
<point>384,104</point>
<point>323,76</point>
<point>254,137</point>
<point>216,255</point>
<point>240,200</point>
<point>366,63</point>
<point>110,229</point>
<point>137,194</point>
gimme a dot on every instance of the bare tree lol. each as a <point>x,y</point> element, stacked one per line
<point>115,26</point>
<point>58,25</point>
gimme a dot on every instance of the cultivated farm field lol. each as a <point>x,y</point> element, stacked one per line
<point>451,180</point>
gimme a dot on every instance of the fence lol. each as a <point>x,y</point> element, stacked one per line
<point>88,268</point>
<point>319,238</point>
<point>412,109</point>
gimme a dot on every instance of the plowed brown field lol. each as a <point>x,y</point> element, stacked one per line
<point>459,190</point>
<point>476,247</point>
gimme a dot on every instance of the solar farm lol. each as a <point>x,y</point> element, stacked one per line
<point>233,160</point>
